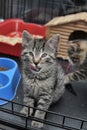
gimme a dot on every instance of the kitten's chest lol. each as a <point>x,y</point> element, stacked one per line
<point>33,88</point>
<point>37,87</point>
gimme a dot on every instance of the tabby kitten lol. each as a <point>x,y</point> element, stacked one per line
<point>43,76</point>
<point>77,51</point>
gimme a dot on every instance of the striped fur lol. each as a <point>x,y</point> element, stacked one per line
<point>43,77</point>
<point>77,51</point>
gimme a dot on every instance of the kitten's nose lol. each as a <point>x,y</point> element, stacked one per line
<point>36,61</point>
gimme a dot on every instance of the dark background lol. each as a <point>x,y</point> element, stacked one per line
<point>40,11</point>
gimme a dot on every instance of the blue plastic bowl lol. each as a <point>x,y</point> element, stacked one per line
<point>9,79</point>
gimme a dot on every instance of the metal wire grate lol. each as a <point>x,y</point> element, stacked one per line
<point>23,122</point>
<point>39,11</point>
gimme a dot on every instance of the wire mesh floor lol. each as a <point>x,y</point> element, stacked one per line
<point>69,113</point>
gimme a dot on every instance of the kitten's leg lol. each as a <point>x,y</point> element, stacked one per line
<point>43,104</point>
<point>58,93</point>
<point>29,102</point>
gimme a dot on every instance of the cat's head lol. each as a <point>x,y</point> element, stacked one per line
<point>39,54</point>
<point>77,51</point>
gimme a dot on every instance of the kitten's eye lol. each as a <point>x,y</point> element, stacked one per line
<point>80,50</point>
<point>70,51</point>
<point>25,53</point>
<point>48,60</point>
<point>44,55</point>
<point>30,53</point>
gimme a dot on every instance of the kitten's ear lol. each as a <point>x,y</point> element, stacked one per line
<point>54,42</point>
<point>26,38</point>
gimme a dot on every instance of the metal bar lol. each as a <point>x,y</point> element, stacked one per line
<point>45,11</point>
<point>63,120</point>
<point>11,8</point>
<point>52,7</point>
<point>81,125</point>
<point>23,11</point>
<point>37,119</point>
<point>26,123</point>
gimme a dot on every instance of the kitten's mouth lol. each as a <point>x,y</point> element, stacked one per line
<point>35,68</point>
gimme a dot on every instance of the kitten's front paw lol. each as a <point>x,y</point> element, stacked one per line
<point>25,111</point>
<point>37,124</point>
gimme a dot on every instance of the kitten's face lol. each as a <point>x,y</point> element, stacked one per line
<point>38,54</point>
<point>77,51</point>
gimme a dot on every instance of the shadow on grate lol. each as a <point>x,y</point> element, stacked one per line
<point>58,122</point>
